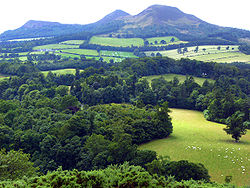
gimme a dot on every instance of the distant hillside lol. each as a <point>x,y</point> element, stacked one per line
<point>165,20</point>
<point>156,20</point>
<point>34,29</point>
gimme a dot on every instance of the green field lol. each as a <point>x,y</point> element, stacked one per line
<point>201,141</point>
<point>181,78</point>
<point>118,54</point>
<point>158,39</point>
<point>55,47</point>
<point>210,54</point>
<point>74,42</point>
<point>116,59</point>
<point>61,71</point>
<point>81,52</point>
<point>117,42</point>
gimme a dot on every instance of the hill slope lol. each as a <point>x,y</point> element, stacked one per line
<point>156,20</point>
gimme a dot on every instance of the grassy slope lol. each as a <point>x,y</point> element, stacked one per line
<point>198,140</point>
<point>74,42</point>
<point>107,41</point>
<point>81,51</point>
<point>55,46</point>
<point>211,54</point>
<point>181,78</point>
<point>118,54</point>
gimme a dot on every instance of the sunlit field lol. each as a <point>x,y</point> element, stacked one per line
<point>181,78</point>
<point>118,42</point>
<point>201,141</point>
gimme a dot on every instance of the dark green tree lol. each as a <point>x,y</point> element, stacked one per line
<point>236,126</point>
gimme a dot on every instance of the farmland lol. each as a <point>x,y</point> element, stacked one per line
<point>54,47</point>
<point>117,42</point>
<point>201,141</point>
<point>209,53</point>
<point>118,54</point>
<point>73,42</point>
<point>81,52</point>
<point>61,71</point>
<point>181,78</point>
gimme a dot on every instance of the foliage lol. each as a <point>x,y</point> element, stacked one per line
<point>236,125</point>
<point>15,165</point>
<point>114,176</point>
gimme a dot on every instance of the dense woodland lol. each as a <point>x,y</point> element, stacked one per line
<point>100,115</point>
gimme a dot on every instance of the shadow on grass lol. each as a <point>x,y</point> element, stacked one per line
<point>231,141</point>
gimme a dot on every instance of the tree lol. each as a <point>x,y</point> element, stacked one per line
<point>172,39</point>
<point>218,48</point>
<point>196,49</point>
<point>184,170</point>
<point>235,126</point>
<point>15,164</point>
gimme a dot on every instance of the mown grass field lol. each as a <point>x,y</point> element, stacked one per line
<point>81,52</point>
<point>55,47</point>
<point>158,39</point>
<point>74,42</point>
<point>115,59</point>
<point>200,141</point>
<point>118,42</point>
<point>210,54</point>
<point>118,54</point>
<point>61,71</point>
<point>181,78</point>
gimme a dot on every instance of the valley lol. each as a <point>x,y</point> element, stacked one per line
<point>104,104</point>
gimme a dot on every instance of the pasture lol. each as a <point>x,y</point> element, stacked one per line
<point>73,42</point>
<point>81,52</point>
<point>117,42</point>
<point>200,141</point>
<point>117,54</point>
<point>209,53</point>
<point>115,59</point>
<point>181,78</point>
<point>61,71</point>
<point>55,47</point>
<point>152,41</point>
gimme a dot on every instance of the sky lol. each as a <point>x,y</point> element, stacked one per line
<point>15,13</point>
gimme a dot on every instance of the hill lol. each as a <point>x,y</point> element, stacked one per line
<point>156,20</point>
<point>34,29</point>
<point>117,14</point>
<point>165,20</point>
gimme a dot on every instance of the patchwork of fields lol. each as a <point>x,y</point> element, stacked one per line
<point>208,53</point>
<point>201,141</point>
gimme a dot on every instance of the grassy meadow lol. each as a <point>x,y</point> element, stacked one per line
<point>210,54</point>
<point>60,71</point>
<point>201,141</point>
<point>118,54</point>
<point>181,78</point>
<point>55,47</point>
<point>81,52</point>
<point>73,42</point>
<point>118,42</point>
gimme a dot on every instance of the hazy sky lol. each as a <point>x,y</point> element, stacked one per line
<point>14,13</point>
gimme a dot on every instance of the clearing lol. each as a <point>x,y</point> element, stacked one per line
<point>201,141</point>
